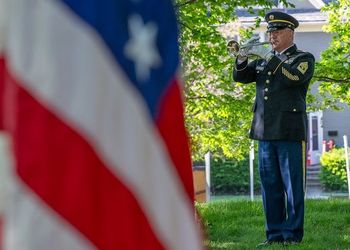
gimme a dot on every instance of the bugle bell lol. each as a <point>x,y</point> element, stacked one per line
<point>233,48</point>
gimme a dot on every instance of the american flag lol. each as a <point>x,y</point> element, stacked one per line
<point>93,104</point>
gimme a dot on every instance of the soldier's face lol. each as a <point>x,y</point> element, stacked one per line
<point>281,39</point>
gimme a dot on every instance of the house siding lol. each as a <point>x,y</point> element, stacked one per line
<point>313,42</point>
<point>338,121</point>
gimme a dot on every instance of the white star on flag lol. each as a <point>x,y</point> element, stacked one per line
<point>141,47</point>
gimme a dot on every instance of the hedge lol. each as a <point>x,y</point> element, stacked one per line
<point>232,177</point>
<point>333,170</point>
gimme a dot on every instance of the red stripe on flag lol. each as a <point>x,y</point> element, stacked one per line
<point>2,84</point>
<point>1,233</point>
<point>64,171</point>
<point>170,122</point>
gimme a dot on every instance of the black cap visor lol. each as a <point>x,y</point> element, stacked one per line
<point>278,26</point>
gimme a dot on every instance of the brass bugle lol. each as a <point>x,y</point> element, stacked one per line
<point>233,46</point>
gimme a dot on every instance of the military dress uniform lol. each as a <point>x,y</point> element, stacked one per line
<point>280,126</point>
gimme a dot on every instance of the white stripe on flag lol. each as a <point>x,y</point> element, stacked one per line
<point>66,65</point>
<point>4,162</point>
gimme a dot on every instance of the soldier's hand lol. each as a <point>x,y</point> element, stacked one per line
<point>242,55</point>
<point>255,39</point>
<point>261,51</point>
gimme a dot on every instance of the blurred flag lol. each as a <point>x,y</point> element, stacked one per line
<point>95,112</point>
<point>1,243</point>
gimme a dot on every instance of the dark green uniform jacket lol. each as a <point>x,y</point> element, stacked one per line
<point>281,87</point>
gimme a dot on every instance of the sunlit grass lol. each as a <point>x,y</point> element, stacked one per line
<point>240,225</point>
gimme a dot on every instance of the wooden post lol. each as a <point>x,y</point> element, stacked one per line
<point>207,176</point>
<point>347,161</point>
<point>251,170</point>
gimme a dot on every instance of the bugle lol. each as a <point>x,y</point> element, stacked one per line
<point>233,47</point>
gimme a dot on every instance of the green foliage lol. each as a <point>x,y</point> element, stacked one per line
<point>333,171</point>
<point>232,177</point>
<point>333,70</point>
<point>231,225</point>
<point>217,110</point>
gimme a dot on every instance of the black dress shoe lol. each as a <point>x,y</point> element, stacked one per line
<point>291,242</point>
<point>267,243</point>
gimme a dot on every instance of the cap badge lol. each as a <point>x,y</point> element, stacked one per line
<point>271,17</point>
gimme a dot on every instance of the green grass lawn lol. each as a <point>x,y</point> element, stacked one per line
<point>239,224</point>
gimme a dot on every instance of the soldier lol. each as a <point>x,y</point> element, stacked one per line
<point>282,78</point>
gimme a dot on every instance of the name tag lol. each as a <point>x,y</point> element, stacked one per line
<point>259,68</point>
<point>289,61</point>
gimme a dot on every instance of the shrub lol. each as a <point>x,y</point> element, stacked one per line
<point>232,176</point>
<point>333,171</point>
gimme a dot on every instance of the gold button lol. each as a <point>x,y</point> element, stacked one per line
<point>258,72</point>
<point>294,110</point>
<point>266,98</point>
<point>266,89</point>
<point>269,73</point>
<point>267,81</point>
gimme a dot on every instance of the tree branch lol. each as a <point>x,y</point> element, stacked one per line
<point>329,79</point>
<point>185,3</point>
<point>197,97</point>
<point>185,25</point>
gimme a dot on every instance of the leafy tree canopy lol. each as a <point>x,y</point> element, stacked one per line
<point>333,70</point>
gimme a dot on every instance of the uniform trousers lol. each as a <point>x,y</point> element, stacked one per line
<point>282,172</point>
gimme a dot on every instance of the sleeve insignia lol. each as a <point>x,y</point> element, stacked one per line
<point>289,75</point>
<point>302,67</point>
